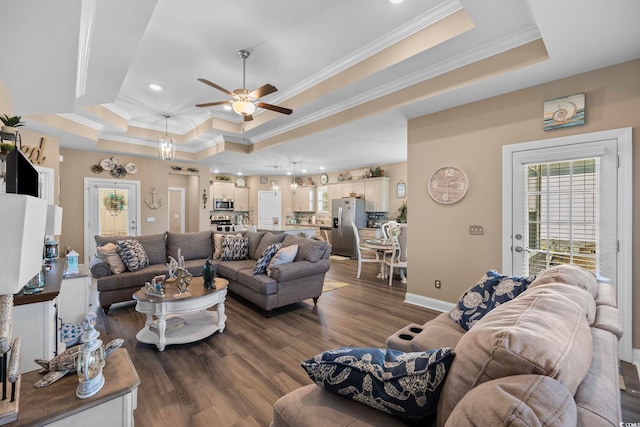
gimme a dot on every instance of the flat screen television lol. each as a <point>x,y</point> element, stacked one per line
<point>22,177</point>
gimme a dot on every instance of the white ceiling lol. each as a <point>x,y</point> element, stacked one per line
<point>70,56</point>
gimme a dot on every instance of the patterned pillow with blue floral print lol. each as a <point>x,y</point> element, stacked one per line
<point>405,385</point>
<point>265,258</point>
<point>492,290</point>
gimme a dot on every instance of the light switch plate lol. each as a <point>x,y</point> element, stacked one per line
<point>476,230</point>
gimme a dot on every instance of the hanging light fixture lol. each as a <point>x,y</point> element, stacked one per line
<point>166,144</point>
<point>294,183</point>
<point>274,183</point>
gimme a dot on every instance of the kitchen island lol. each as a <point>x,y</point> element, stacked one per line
<point>295,229</point>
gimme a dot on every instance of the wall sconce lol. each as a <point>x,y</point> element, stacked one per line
<point>204,198</point>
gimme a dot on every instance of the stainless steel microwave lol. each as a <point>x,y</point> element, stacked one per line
<point>223,205</point>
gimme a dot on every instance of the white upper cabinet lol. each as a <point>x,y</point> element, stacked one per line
<point>304,199</point>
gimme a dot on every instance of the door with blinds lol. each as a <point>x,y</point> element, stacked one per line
<point>567,200</point>
<point>111,209</point>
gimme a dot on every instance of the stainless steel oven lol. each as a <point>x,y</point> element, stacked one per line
<point>223,205</point>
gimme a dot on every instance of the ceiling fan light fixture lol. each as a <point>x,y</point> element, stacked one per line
<point>243,107</point>
<point>166,144</point>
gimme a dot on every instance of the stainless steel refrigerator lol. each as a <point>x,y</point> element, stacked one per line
<point>344,212</point>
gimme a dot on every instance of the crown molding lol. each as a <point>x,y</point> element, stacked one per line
<point>76,118</point>
<point>87,14</point>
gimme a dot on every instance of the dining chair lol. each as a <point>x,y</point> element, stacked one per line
<point>385,228</point>
<point>364,254</point>
<point>398,257</point>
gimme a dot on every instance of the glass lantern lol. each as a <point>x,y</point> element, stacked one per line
<point>90,363</point>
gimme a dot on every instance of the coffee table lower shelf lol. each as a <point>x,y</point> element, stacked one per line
<point>197,326</point>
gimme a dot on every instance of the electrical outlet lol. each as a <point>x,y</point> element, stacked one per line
<point>438,284</point>
<point>476,230</point>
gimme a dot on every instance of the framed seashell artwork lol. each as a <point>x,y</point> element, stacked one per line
<point>564,112</point>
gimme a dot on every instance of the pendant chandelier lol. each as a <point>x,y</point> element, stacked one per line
<point>294,182</point>
<point>166,144</point>
<point>274,183</point>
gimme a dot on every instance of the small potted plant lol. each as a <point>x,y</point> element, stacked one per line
<point>11,123</point>
<point>5,147</point>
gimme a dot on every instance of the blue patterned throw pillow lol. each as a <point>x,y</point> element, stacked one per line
<point>132,254</point>
<point>265,258</point>
<point>234,248</point>
<point>405,385</point>
<point>492,290</point>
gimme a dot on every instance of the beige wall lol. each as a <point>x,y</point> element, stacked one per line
<point>471,137</point>
<point>152,173</point>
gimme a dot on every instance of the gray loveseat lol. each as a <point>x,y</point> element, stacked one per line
<point>548,357</point>
<point>288,283</point>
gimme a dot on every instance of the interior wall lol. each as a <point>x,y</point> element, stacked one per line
<point>151,173</point>
<point>471,137</point>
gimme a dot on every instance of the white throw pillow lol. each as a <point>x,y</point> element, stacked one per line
<point>283,256</point>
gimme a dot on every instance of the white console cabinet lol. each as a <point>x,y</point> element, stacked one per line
<point>74,296</point>
<point>37,324</point>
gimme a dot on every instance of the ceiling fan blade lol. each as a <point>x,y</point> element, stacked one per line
<point>275,108</point>
<point>211,104</point>
<point>213,85</point>
<point>263,91</point>
<point>248,118</point>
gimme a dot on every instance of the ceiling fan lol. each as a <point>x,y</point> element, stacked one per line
<point>242,100</point>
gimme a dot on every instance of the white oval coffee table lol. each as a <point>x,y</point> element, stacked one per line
<point>198,322</point>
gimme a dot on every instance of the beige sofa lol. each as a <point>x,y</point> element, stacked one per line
<point>288,283</point>
<point>547,357</point>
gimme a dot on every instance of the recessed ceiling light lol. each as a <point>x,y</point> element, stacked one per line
<point>288,173</point>
<point>227,107</point>
<point>321,168</point>
<point>239,173</point>
<point>396,1</point>
<point>155,87</point>
<point>216,171</point>
<point>304,171</point>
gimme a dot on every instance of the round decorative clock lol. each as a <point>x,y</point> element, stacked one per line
<point>448,185</point>
<point>240,182</point>
<point>324,179</point>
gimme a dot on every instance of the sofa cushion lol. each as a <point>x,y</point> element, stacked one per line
<point>519,400</point>
<point>540,332</point>
<point>265,258</point>
<point>254,241</point>
<point>230,269</point>
<point>260,283</point>
<point>284,255</point>
<point>406,385</point>
<point>313,407</point>
<point>269,239</point>
<point>491,290</point>
<point>234,248</point>
<point>196,245</point>
<point>308,249</point>
<point>570,274</point>
<point>109,254</point>
<point>154,245</point>
<point>132,254</point>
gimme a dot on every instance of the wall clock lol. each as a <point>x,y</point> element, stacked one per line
<point>448,185</point>
<point>324,178</point>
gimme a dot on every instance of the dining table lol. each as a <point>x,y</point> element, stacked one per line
<point>383,246</point>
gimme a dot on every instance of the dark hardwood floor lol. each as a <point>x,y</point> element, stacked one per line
<point>233,378</point>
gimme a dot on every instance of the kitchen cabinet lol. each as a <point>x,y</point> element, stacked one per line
<point>349,187</point>
<point>241,199</point>
<point>304,199</point>
<point>333,192</point>
<point>376,193</point>
<point>223,190</point>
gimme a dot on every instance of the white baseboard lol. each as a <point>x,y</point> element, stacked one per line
<point>426,302</point>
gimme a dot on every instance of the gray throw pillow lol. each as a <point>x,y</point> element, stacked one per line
<point>132,254</point>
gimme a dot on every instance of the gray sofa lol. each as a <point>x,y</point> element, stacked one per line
<point>547,357</point>
<point>288,283</point>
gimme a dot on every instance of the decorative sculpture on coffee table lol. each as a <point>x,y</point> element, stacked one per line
<point>183,279</point>
<point>173,265</point>
<point>209,274</point>
<point>90,360</point>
